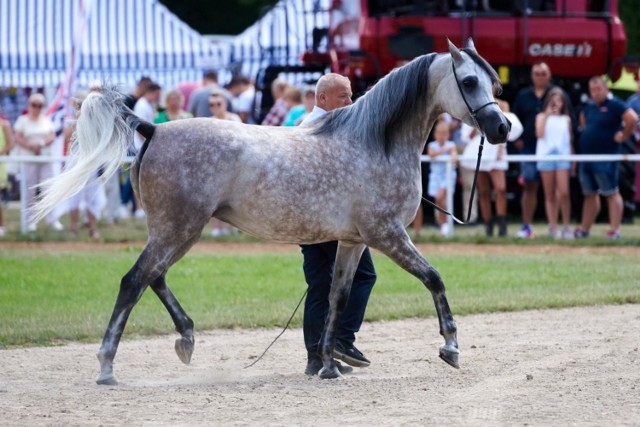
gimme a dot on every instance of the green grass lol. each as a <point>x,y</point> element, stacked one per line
<point>49,297</point>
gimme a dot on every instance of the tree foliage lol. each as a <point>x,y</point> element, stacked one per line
<point>219,17</point>
<point>628,10</point>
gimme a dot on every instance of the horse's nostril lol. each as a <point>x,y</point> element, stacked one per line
<point>503,130</point>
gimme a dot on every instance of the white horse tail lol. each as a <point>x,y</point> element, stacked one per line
<point>101,141</point>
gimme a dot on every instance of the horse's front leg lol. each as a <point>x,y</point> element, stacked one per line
<point>184,325</point>
<point>396,244</point>
<point>346,264</point>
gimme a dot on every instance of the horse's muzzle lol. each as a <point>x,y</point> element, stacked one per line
<point>494,125</point>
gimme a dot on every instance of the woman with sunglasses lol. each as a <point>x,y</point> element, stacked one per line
<point>34,134</point>
<point>219,108</point>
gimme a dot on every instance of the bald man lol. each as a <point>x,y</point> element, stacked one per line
<point>333,91</point>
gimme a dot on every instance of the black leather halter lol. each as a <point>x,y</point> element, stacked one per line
<point>474,114</point>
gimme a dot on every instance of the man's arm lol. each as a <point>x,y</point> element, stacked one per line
<point>629,120</point>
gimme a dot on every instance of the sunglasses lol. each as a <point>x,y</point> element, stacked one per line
<point>540,73</point>
<point>215,104</point>
<point>36,105</point>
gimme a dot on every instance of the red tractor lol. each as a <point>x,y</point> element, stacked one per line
<point>577,38</point>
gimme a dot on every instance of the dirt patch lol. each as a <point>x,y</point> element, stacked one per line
<point>555,367</point>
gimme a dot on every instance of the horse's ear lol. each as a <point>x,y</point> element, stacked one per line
<point>455,53</point>
<point>470,45</point>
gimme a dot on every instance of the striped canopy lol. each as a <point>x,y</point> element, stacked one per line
<point>121,41</point>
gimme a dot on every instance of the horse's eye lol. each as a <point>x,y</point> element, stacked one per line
<point>470,82</point>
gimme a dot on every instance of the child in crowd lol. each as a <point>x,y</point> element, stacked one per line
<point>441,149</point>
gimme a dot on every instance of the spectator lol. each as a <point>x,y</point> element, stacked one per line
<point>280,108</point>
<point>218,105</point>
<point>6,144</point>
<point>333,91</point>
<point>138,92</point>
<point>145,108</point>
<point>527,105</point>
<point>219,108</point>
<point>35,134</point>
<point>244,93</point>
<point>553,130</point>
<point>492,173</point>
<point>600,121</point>
<point>634,103</point>
<point>199,99</point>
<point>293,98</point>
<point>92,196</point>
<point>308,101</point>
<point>173,108</point>
<point>441,149</point>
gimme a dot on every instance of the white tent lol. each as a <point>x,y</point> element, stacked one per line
<point>123,40</point>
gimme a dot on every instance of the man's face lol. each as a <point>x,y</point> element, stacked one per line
<point>540,75</point>
<point>336,96</point>
<point>598,91</point>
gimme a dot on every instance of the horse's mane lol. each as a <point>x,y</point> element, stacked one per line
<point>375,115</point>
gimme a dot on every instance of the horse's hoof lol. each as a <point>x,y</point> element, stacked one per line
<point>106,380</point>
<point>450,355</point>
<point>184,349</point>
<point>329,374</point>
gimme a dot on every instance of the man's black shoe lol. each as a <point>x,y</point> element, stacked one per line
<point>350,355</point>
<point>315,364</point>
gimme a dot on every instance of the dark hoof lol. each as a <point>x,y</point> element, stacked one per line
<point>106,380</point>
<point>450,355</point>
<point>184,349</point>
<point>329,374</point>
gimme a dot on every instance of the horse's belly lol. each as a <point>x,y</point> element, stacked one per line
<point>288,225</point>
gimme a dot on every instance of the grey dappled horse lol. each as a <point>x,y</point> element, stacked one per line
<point>353,177</point>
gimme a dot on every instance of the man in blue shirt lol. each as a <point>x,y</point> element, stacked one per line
<point>602,134</point>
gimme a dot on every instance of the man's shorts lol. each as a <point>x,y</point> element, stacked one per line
<point>599,177</point>
<point>528,170</point>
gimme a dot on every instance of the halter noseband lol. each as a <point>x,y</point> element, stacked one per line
<point>473,112</point>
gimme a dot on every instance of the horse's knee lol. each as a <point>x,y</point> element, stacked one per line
<point>342,298</point>
<point>433,281</point>
<point>131,288</point>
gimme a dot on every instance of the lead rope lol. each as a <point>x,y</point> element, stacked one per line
<point>280,334</point>
<point>473,190</point>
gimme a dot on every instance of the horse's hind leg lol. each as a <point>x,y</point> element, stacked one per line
<point>132,286</point>
<point>184,325</point>
<point>397,245</point>
<point>346,264</point>
<point>150,268</point>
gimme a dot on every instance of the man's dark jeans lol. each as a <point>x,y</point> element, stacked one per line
<point>318,271</point>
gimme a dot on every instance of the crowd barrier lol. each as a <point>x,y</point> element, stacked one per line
<point>515,158</point>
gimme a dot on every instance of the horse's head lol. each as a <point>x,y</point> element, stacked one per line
<point>473,100</point>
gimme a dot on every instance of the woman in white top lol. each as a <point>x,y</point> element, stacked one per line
<point>34,135</point>
<point>553,130</point>
<point>492,172</point>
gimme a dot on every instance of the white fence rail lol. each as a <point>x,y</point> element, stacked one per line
<point>21,160</point>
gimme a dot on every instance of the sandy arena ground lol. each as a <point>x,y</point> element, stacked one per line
<point>578,366</point>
